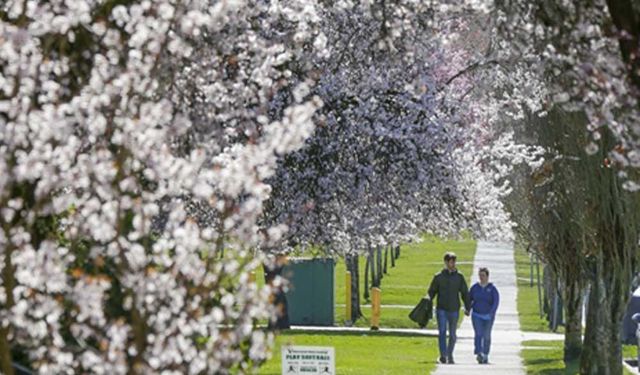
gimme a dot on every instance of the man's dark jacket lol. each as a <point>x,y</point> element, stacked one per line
<point>450,286</point>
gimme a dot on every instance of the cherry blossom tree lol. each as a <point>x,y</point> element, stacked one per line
<point>141,140</point>
<point>585,56</point>
<point>118,121</point>
<point>393,154</point>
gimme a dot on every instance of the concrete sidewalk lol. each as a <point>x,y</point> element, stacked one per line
<point>504,358</point>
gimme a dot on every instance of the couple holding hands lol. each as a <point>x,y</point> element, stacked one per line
<point>481,302</point>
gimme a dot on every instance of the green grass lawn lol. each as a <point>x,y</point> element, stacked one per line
<point>545,358</point>
<point>528,306</point>
<point>373,352</point>
<point>629,351</point>
<point>365,354</point>
<point>404,284</point>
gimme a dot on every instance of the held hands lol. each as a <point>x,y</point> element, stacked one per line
<point>467,312</point>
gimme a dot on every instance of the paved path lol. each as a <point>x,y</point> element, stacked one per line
<point>506,338</point>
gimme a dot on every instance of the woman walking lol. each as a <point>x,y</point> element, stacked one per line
<point>484,304</point>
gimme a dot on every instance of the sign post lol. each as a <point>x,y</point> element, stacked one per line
<point>375,308</point>
<point>307,360</point>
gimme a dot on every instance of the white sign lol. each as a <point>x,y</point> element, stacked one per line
<point>303,360</point>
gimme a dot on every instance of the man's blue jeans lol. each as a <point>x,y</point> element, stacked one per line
<point>482,340</point>
<point>450,319</point>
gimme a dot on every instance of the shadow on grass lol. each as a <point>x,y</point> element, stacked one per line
<point>556,372</point>
<point>571,368</point>
<point>295,332</point>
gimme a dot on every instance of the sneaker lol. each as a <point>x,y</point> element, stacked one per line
<point>485,359</point>
<point>480,358</point>
<point>450,360</point>
<point>442,360</point>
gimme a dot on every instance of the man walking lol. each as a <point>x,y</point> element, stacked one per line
<point>450,286</point>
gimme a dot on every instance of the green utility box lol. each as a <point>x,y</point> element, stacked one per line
<point>311,291</point>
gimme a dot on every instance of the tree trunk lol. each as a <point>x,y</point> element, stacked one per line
<point>8,280</point>
<point>548,281</point>
<point>601,352</point>
<point>530,269</point>
<point>372,264</point>
<point>5,353</point>
<point>397,251</point>
<point>541,304</point>
<point>611,267</point>
<point>379,275</point>
<point>352,265</point>
<point>628,25</point>
<point>366,277</point>
<point>139,329</point>
<point>552,287</point>
<point>386,260</point>
<point>393,257</point>
<point>572,296</point>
